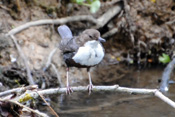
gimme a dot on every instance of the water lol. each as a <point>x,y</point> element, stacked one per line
<point>118,104</point>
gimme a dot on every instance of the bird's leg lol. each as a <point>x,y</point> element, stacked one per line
<point>69,90</point>
<point>90,86</point>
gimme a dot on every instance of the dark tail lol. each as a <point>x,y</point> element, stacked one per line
<point>65,32</point>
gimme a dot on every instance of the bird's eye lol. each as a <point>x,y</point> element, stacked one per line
<point>90,36</point>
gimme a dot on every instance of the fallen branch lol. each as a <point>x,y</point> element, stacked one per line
<point>107,16</point>
<point>100,22</point>
<point>164,98</point>
<point>48,105</point>
<point>51,21</point>
<point>58,75</point>
<point>50,59</point>
<point>114,88</point>
<point>110,33</point>
<point>129,19</point>
<point>164,86</point>
<point>29,76</point>
<point>18,90</point>
<point>23,106</point>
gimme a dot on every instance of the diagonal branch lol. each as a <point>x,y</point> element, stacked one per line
<point>100,22</point>
<point>108,15</point>
<point>29,76</point>
<point>51,21</point>
<point>48,105</point>
<point>166,76</point>
<point>23,106</point>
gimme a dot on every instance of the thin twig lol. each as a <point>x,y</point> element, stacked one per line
<point>129,20</point>
<point>5,8</point>
<point>23,106</point>
<point>48,104</point>
<point>114,88</point>
<point>58,75</point>
<point>50,59</point>
<point>110,33</point>
<point>18,90</point>
<point>170,22</point>
<point>29,76</point>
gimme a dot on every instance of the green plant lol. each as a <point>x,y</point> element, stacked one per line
<point>164,58</point>
<point>93,4</point>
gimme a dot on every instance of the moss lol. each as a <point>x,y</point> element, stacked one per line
<point>25,98</point>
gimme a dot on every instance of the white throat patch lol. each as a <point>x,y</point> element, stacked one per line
<point>90,54</point>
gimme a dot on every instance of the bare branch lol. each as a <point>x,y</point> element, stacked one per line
<point>128,17</point>
<point>110,33</point>
<point>52,21</point>
<point>18,90</point>
<point>164,98</point>
<point>48,105</point>
<point>164,86</point>
<point>114,88</point>
<point>107,16</point>
<point>50,59</point>
<point>100,22</point>
<point>29,76</point>
<point>58,75</point>
<point>23,106</point>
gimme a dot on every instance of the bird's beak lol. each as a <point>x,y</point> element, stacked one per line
<point>101,39</point>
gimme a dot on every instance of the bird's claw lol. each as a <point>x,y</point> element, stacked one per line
<point>69,90</point>
<point>90,86</point>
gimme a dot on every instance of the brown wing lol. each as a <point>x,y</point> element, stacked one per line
<point>68,45</point>
<point>68,42</point>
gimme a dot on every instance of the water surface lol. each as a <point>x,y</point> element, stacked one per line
<point>105,104</point>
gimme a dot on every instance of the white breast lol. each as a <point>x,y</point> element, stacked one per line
<point>90,54</point>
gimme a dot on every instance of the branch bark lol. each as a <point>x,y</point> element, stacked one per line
<point>114,88</point>
<point>29,76</point>
<point>164,86</point>
<point>52,21</point>
<point>23,106</point>
<point>100,22</point>
<point>18,90</point>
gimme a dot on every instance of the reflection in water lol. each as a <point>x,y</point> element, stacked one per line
<point>166,76</point>
<point>107,104</point>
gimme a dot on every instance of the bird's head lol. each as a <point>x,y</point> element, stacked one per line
<point>92,34</point>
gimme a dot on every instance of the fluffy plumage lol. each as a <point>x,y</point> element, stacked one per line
<point>83,51</point>
<point>90,54</point>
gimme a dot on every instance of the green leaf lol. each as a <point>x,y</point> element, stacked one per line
<point>164,58</point>
<point>90,1</point>
<point>79,1</point>
<point>95,6</point>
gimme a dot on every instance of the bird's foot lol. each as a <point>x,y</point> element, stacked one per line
<point>69,90</point>
<point>90,86</point>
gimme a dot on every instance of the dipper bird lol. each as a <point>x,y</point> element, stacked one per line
<point>83,51</point>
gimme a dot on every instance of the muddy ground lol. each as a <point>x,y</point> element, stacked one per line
<point>145,30</point>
